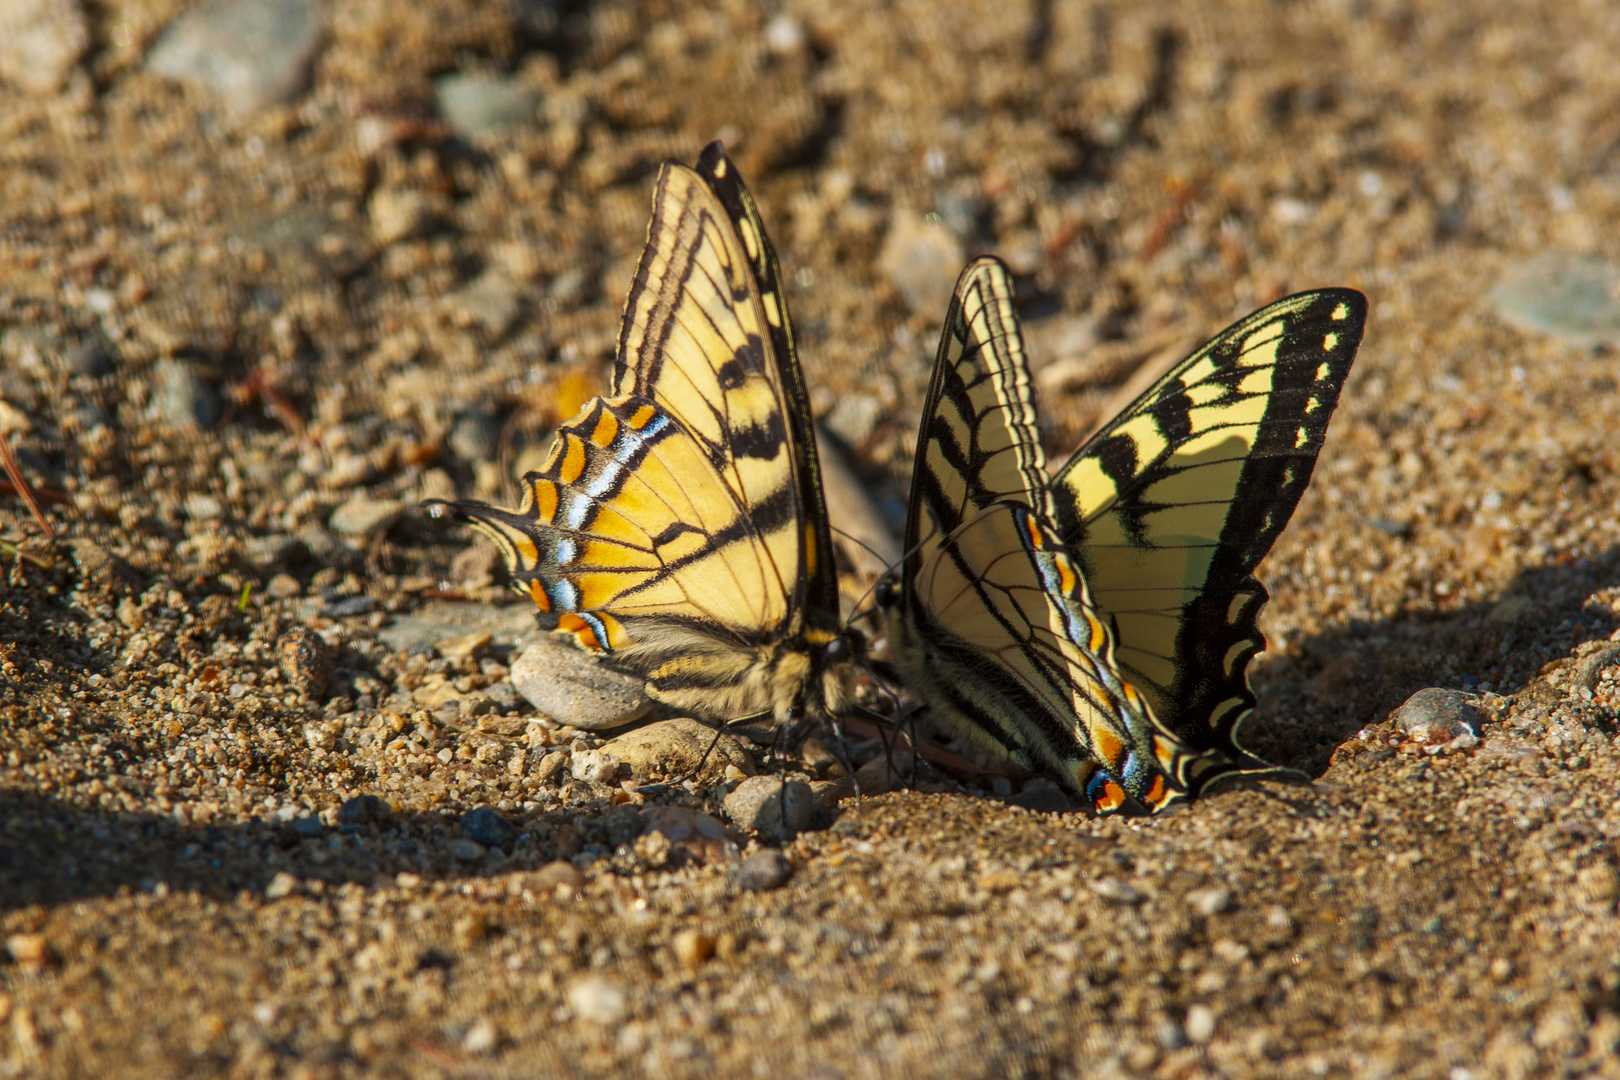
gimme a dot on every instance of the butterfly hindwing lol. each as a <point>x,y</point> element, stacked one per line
<point>1171,506</point>
<point>677,527</point>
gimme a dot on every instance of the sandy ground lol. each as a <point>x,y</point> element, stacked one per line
<point>240,348</point>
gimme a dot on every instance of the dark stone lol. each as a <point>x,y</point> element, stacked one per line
<point>1042,795</point>
<point>354,605</point>
<point>486,826</point>
<point>762,871</point>
<point>363,810</point>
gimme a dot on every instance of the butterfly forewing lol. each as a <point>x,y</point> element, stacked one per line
<point>677,525</point>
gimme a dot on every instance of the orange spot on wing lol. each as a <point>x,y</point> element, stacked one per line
<point>573,462</point>
<point>1112,798</point>
<point>545,501</point>
<point>607,429</point>
<point>1108,747</point>
<point>573,624</point>
<point>642,417</point>
<point>537,593</point>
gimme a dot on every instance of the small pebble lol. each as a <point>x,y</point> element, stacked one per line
<point>1562,293</point>
<point>363,810</point>
<point>1042,795</point>
<point>308,826</point>
<point>475,436</point>
<point>692,834</point>
<point>182,398</point>
<point>479,105</point>
<point>481,1038</point>
<point>596,999</point>
<point>1171,1035</point>
<point>594,766</point>
<point>762,871</point>
<point>30,951</point>
<point>465,850</point>
<point>1116,891</point>
<point>570,686</point>
<point>554,875</point>
<point>485,825</point>
<point>362,515</point>
<point>281,885</point>
<point>921,260</point>
<point>306,660</point>
<point>254,53</point>
<point>459,648</point>
<point>283,586</point>
<point>692,948</point>
<point>93,356</point>
<point>676,747</point>
<point>1211,901</point>
<point>1200,1024</point>
<point>1437,715</point>
<point>349,607</point>
<point>553,767</point>
<point>40,42</point>
<point>399,214</point>
<point>776,809</point>
<point>270,552</point>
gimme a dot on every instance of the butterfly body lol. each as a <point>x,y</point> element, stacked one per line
<point>676,528</point>
<point>1099,624</point>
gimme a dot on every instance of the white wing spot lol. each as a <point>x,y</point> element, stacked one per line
<point>1302,438</point>
<point>721,166</point>
<point>1341,313</point>
<point>1324,371</point>
<point>1330,342</point>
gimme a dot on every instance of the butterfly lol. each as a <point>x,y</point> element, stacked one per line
<point>1099,623</point>
<point>677,528</point>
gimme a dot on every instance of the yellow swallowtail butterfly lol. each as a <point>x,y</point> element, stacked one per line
<point>1099,623</point>
<point>677,528</point>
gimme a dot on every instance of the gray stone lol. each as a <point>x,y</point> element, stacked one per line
<point>464,850</point>
<point>491,302</point>
<point>270,552</point>
<point>349,607</point>
<point>182,398</point>
<point>692,834</point>
<point>1570,295</point>
<point>570,686</point>
<point>325,548</point>
<point>1437,715</point>
<point>40,42</point>
<point>762,871</point>
<point>362,515</point>
<point>921,259</point>
<point>253,53</point>
<point>308,826</point>
<point>93,356</point>
<point>510,625</point>
<point>676,748</point>
<point>363,810</point>
<point>485,825</point>
<point>854,418</point>
<point>554,875</point>
<point>776,809</point>
<point>1115,891</point>
<point>478,105</point>
<point>475,437</point>
<point>1041,794</point>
